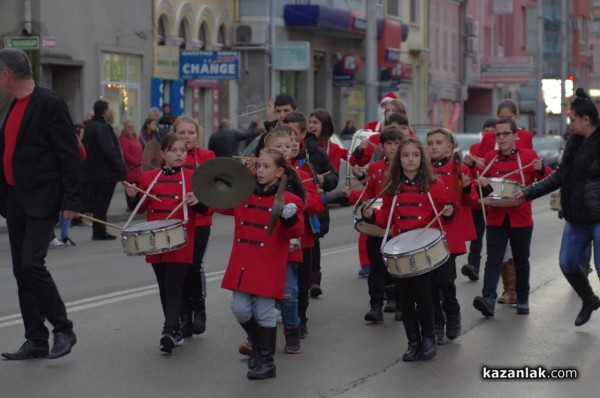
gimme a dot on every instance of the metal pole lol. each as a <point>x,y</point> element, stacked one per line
<point>563,64</point>
<point>540,112</point>
<point>371,62</point>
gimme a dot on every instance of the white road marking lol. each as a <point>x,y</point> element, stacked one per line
<point>115,297</point>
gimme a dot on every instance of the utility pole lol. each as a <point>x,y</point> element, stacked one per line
<point>563,64</point>
<point>540,112</point>
<point>371,62</point>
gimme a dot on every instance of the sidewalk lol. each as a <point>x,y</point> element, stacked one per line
<point>117,212</point>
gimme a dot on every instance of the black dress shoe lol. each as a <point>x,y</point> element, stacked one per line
<point>28,350</point>
<point>63,342</point>
<point>105,236</point>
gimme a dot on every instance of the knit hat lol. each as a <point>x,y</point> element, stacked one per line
<point>387,98</point>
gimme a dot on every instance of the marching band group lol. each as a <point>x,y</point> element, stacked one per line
<point>417,204</point>
<point>416,208</point>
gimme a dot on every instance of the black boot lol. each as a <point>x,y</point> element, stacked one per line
<point>375,315</point>
<point>390,296</point>
<point>265,368</point>
<point>253,330</point>
<point>582,287</point>
<point>315,284</point>
<point>199,323</point>
<point>439,324</point>
<point>185,320</point>
<point>428,348</point>
<point>453,326</point>
<point>413,334</point>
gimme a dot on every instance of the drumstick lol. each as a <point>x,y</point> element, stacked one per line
<point>324,174</point>
<point>307,180</point>
<point>481,200</point>
<point>175,209</point>
<point>140,190</point>
<point>372,202</point>
<point>429,225</point>
<point>86,217</point>
<point>519,169</point>
<point>370,143</point>
<point>241,157</point>
<point>256,111</point>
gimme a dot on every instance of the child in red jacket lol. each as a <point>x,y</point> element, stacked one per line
<point>257,265</point>
<point>193,314</point>
<point>172,185</point>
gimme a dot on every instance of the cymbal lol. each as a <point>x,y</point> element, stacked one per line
<point>278,204</point>
<point>222,183</point>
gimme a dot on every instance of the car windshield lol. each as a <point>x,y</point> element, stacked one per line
<point>465,141</point>
<point>540,144</point>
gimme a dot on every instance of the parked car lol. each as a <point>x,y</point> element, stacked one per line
<point>464,142</point>
<point>549,147</point>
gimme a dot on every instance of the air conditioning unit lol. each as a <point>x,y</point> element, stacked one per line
<point>250,34</point>
<point>472,44</point>
<point>471,28</point>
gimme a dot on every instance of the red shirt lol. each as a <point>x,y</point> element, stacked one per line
<point>11,132</point>
<point>194,159</point>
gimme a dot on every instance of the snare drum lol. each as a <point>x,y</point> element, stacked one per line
<point>406,255</point>
<point>555,201</point>
<point>503,193</point>
<point>153,237</point>
<point>364,227</point>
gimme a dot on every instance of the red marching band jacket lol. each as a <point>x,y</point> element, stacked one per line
<point>168,189</point>
<point>194,159</point>
<point>377,174</point>
<point>461,227</point>
<point>258,261</point>
<point>520,216</point>
<point>413,208</point>
<point>314,205</point>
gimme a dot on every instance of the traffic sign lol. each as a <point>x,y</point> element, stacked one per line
<point>22,42</point>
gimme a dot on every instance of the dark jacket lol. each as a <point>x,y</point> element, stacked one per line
<point>226,141</point>
<point>319,160</point>
<point>104,163</point>
<point>578,177</point>
<point>46,162</point>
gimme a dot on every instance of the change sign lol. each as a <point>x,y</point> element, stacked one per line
<point>209,65</point>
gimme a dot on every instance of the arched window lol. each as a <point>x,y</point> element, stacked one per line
<point>162,30</point>
<point>203,35</point>
<point>221,38</point>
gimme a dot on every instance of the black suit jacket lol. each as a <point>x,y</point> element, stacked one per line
<point>46,161</point>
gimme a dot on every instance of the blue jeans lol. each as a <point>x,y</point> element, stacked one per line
<point>497,239</point>
<point>575,240</point>
<point>289,304</point>
<point>64,226</point>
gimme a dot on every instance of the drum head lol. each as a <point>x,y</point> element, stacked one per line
<point>408,242</point>
<point>152,225</point>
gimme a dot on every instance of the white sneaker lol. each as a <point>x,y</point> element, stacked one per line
<point>57,244</point>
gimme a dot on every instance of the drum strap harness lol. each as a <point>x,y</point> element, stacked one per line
<point>134,212</point>
<point>518,163</point>
<point>387,229</point>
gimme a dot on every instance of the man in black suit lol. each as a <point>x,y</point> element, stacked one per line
<point>102,168</point>
<point>40,175</point>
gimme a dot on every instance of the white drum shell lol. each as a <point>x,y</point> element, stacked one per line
<point>364,227</point>
<point>503,192</point>
<point>429,252</point>
<point>154,237</point>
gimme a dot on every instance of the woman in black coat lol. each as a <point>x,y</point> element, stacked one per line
<point>578,177</point>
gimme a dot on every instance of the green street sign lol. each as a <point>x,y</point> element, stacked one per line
<point>22,42</point>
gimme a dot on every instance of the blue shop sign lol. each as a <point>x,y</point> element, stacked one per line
<point>209,65</point>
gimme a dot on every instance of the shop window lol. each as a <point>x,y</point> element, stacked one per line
<point>120,87</point>
<point>285,82</point>
<point>415,12</point>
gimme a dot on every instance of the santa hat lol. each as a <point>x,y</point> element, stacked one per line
<point>387,98</point>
